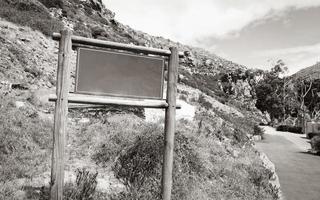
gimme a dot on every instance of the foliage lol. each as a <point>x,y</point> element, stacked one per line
<point>268,94</point>
<point>284,97</point>
<point>28,13</point>
<point>204,103</point>
<point>287,128</point>
<point>24,140</point>
<point>52,3</point>
<point>311,99</point>
<point>119,138</point>
<point>257,130</point>
<point>203,169</point>
<point>315,144</point>
<point>206,83</point>
<point>84,188</point>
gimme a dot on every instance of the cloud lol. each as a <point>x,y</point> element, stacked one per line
<point>295,58</point>
<point>187,20</point>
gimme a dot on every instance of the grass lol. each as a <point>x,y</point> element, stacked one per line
<point>257,130</point>
<point>27,13</point>
<point>24,151</point>
<point>203,168</point>
<point>288,128</point>
<point>315,144</point>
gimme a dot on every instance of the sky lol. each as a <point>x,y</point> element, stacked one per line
<point>255,33</point>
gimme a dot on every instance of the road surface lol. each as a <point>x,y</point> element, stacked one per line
<point>298,171</point>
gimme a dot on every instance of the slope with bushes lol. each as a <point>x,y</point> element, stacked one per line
<point>112,152</point>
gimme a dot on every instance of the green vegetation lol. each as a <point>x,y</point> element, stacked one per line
<point>28,13</point>
<point>257,130</point>
<point>287,128</point>
<point>214,158</point>
<point>24,150</point>
<point>284,97</point>
<point>204,168</point>
<point>315,144</point>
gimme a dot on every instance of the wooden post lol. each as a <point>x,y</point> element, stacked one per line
<point>170,122</point>
<point>60,116</point>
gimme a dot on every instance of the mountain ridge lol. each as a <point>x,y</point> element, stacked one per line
<point>309,73</point>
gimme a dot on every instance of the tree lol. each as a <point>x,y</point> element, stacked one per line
<point>272,91</point>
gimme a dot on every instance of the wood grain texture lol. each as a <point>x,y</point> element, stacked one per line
<point>60,116</point>
<point>79,41</point>
<point>105,100</point>
<point>170,123</point>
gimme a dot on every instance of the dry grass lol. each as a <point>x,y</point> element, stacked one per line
<point>27,13</point>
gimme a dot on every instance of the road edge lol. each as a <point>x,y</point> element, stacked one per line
<point>274,180</point>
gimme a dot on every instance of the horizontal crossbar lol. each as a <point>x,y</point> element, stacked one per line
<point>104,100</point>
<point>115,45</point>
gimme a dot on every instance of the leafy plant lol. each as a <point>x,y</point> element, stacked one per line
<point>204,103</point>
<point>257,130</point>
<point>315,144</point>
<point>23,142</point>
<point>84,188</point>
<point>28,13</point>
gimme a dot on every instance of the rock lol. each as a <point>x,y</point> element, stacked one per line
<point>84,121</point>
<point>25,39</point>
<point>256,137</point>
<point>20,195</point>
<point>19,104</point>
<point>235,153</point>
<point>208,62</point>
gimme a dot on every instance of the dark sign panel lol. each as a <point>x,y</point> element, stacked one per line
<point>119,74</point>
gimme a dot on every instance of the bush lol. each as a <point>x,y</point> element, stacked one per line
<point>84,188</point>
<point>24,140</point>
<point>202,168</point>
<point>183,97</point>
<point>52,3</point>
<point>82,30</point>
<point>287,128</point>
<point>27,13</point>
<point>204,103</point>
<point>257,130</point>
<point>315,144</point>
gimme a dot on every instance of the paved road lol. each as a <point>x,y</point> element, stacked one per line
<point>298,171</point>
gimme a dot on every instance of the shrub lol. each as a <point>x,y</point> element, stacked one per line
<point>202,168</point>
<point>118,138</point>
<point>27,13</point>
<point>34,71</point>
<point>8,190</point>
<point>257,130</point>
<point>315,144</point>
<point>140,161</point>
<point>183,97</point>
<point>97,31</point>
<point>52,3</point>
<point>82,30</point>
<point>287,128</point>
<point>204,103</point>
<point>84,188</point>
<point>24,140</point>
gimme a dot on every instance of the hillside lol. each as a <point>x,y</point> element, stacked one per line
<point>311,73</point>
<point>113,152</point>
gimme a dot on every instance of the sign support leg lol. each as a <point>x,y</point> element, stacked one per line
<point>60,116</point>
<point>170,123</point>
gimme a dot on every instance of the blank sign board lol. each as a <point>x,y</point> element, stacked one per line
<point>119,74</point>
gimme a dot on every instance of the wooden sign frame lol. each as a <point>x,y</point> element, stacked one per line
<point>63,97</point>
<point>159,82</point>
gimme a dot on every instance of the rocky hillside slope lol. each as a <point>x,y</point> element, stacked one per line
<point>214,146</point>
<point>308,73</point>
<point>199,69</point>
